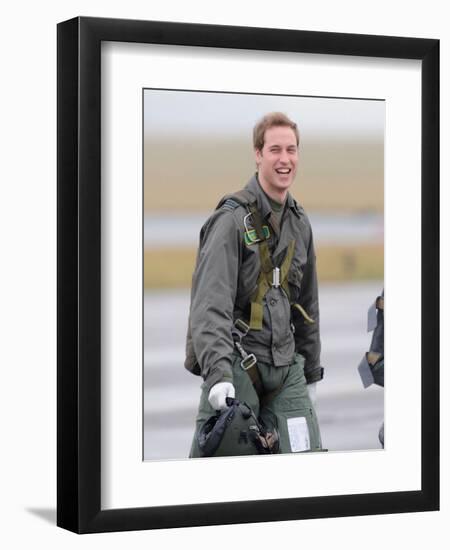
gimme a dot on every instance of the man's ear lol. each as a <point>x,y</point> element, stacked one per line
<point>258,155</point>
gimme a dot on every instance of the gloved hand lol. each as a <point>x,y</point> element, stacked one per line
<point>312,391</point>
<point>218,393</point>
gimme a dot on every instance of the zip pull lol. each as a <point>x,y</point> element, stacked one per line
<point>276,277</point>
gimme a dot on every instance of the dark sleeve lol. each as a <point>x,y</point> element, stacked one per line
<point>377,344</point>
<point>213,294</point>
<point>307,336</point>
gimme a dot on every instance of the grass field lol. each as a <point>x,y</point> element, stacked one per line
<point>173,267</point>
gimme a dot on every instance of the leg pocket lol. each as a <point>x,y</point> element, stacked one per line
<point>299,431</point>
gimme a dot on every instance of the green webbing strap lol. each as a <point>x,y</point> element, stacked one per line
<point>256,307</point>
<point>266,274</point>
<point>265,278</point>
<point>306,317</point>
<point>257,221</point>
<point>264,253</point>
<point>255,377</point>
<point>285,266</point>
<point>265,259</point>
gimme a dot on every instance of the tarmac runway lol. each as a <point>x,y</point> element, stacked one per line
<point>349,415</point>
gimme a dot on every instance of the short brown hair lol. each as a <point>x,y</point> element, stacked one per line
<point>268,121</point>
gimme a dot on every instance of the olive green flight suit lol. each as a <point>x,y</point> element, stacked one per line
<point>286,347</point>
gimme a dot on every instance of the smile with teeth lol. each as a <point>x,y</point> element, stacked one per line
<point>283,170</point>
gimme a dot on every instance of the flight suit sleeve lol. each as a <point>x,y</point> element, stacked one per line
<point>307,336</point>
<point>214,287</point>
<point>377,344</point>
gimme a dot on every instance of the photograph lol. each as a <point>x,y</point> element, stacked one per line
<point>263,261</point>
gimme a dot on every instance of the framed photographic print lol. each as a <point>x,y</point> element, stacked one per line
<point>340,182</point>
<point>157,122</point>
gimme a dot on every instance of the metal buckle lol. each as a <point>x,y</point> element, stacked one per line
<point>250,359</point>
<point>249,229</point>
<point>241,326</point>
<point>276,277</point>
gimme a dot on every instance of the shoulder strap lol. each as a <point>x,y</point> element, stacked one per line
<point>239,198</point>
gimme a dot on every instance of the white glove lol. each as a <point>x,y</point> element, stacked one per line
<point>218,393</point>
<point>312,391</point>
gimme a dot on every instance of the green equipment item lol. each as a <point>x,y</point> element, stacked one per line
<point>236,431</point>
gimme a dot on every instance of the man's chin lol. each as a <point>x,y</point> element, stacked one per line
<point>284,183</point>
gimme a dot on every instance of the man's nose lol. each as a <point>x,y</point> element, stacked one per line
<point>284,157</point>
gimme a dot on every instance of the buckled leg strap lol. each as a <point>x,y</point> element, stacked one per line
<point>267,397</point>
<point>255,377</point>
<point>249,364</point>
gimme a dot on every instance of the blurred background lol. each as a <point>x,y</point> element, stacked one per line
<point>197,148</point>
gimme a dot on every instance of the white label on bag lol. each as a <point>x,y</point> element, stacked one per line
<point>298,434</point>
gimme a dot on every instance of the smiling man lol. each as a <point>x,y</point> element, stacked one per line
<point>254,319</point>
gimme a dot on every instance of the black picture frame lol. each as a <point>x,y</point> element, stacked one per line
<point>79,274</point>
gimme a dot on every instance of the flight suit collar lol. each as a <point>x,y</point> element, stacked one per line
<point>292,204</point>
<point>285,234</point>
<point>262,201</point>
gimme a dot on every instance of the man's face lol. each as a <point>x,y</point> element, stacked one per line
<point>277,161</point>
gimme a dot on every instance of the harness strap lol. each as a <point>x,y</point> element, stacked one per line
<point>242,197</point>
<point>249,364</point>
<point>255,377</point>
<point>285,267</point>
<point>373,357</point>
<point>306,317</point>
<point>265,279</point>
<point>266,275</point>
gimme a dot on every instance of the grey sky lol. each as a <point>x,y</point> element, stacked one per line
<point>167,111</point>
